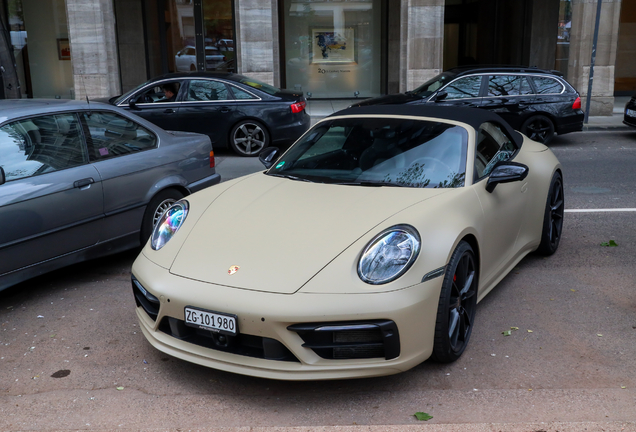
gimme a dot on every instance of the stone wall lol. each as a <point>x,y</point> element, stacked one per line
<point>581,41</point>
<point>93,41</point>
<point>422,38</point>
<point>257,37</point>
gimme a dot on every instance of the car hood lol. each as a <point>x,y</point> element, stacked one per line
<point>400,98</point>
<point>281,232</point>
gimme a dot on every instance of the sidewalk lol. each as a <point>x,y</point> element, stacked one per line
<point>319,109</point>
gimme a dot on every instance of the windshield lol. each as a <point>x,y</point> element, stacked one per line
<point>430,87</point>
<point>127,94</point>
<point>260,85</point>
<point>378,152</point>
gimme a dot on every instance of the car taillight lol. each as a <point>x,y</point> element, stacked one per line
<point>298,106</point>
<point>212,162</point>
<point>577,103</point>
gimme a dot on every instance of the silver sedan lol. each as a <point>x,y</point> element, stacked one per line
<point>80,181</point>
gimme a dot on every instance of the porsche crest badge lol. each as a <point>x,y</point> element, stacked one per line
<point>233,270</point>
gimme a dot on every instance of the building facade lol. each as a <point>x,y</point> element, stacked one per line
<point>327,48</point>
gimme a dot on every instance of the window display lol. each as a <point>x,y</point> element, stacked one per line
<point>333,50</point>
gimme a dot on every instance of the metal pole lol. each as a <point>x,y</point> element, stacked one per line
<point>591,80</point>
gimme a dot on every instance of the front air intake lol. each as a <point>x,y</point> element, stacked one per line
<point>351,339</point>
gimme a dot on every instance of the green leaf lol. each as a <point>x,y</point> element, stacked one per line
<point>611,243</point>
<point>422,416</point>
<point>120,388</point>
<point>506,333</point>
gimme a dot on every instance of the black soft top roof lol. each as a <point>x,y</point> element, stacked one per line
<point>471,116</point>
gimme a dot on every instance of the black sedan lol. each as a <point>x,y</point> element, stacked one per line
<point>536,102</point>
<point>233,110</point>
<point>630,112</point>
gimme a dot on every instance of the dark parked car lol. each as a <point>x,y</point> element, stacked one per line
<point>233,110</point>
<point>80,181</point>
<point>630,112</point>
<point>536,102</point>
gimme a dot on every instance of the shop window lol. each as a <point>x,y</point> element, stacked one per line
<point>218,26</point>
<point>39,36</point>
<point>333,49</point>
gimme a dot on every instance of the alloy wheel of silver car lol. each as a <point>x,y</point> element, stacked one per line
<point>248,138</point>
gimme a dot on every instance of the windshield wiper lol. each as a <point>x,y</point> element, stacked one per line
<point>291,177</point>
<point>370,183</point>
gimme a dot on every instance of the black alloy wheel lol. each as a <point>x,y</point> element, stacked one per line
<point>248,138</point>
<point>553,217</point>
<point>457,305</point>
<point>538,128</point>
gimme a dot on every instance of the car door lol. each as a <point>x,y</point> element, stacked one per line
<point>208,108</point>
<point>510,96</point>
<point>503,208</point>
<point>463,92</point>
<point>123,152</point>
<point>51,203</point>
<point>150,103</point>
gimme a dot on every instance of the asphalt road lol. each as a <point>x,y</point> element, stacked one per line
<point>73,358</point>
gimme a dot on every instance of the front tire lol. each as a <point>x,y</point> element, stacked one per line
<point>553,217</point>
<point>249,138</point>
<point>155,209</point>
<point>538,128</point>
<point>457,305</point>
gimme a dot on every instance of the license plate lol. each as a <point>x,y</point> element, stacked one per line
<point>630,113</point>
<point>213,321</point>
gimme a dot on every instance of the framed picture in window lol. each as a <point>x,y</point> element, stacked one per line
<point>331,46</point>
<point>63,49</point>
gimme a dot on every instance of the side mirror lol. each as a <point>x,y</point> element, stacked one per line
<point>268,156</point>
<point>440,96</point>
<point>2,176</point>
<point>506,172</point>
<point>132,103</point>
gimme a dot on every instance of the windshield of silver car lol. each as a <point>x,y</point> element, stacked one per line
<point>378,152</point>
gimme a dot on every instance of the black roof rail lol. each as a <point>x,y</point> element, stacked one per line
<point>462,70</point>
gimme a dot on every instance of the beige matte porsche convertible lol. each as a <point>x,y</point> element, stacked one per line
<point>362,250</point>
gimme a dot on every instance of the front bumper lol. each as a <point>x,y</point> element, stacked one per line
<point>268,316</point>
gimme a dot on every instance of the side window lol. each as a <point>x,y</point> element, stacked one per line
<point>40,145</point>
<point>165,92</point>
<point>467,87</point>
<point>525,87</point>
<point>493,145</point>
<point>110,135</point>
<point>547,85</point>
<point>504,85</point>
<point>241,94</point>
<point>207,90</point>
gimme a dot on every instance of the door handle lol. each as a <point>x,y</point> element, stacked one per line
<point>169,111</point>
<point>225,110</point>
<point>83,183</point>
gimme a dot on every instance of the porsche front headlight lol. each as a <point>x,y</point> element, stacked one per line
<point>169,224</point>
<point>389,255</point>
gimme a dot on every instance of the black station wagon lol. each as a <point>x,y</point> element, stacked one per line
<point>536,102</point>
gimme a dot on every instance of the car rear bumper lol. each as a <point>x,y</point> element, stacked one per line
<point>267,317</point>
<point>570,123</point>
<point>204,182</point>
<point>290,132</point>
